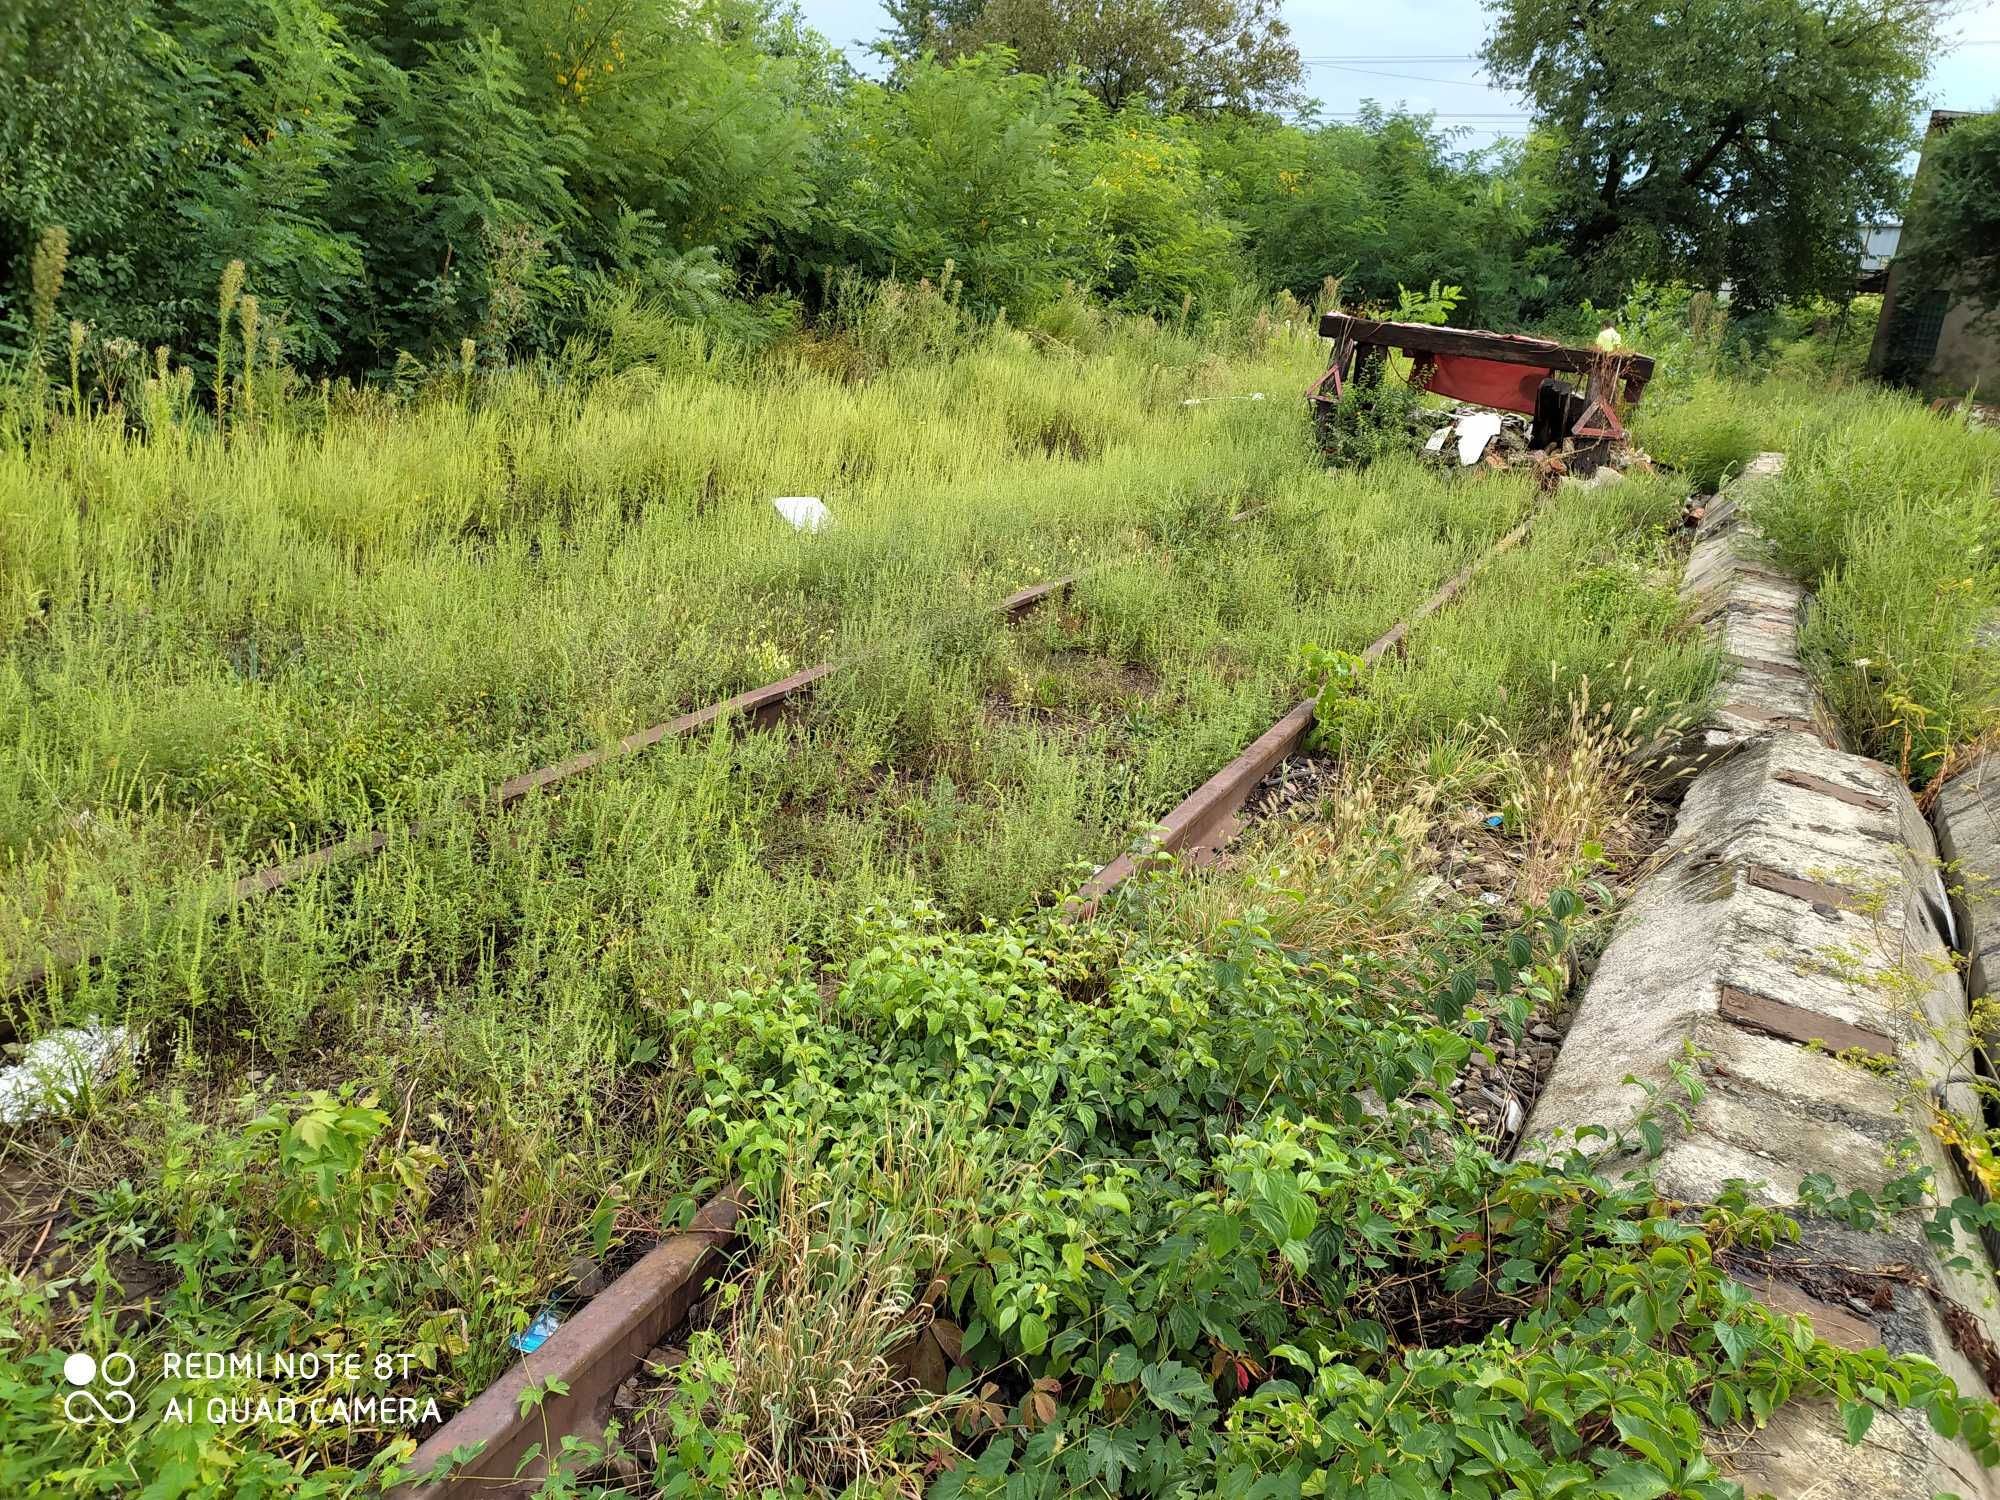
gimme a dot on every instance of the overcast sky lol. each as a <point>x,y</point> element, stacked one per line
<point>1349,45</point>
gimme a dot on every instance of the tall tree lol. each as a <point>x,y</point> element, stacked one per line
<point>1718,140</point>
<point>1383,203</point>
<point>919,26</point>
<point>1197,55</point>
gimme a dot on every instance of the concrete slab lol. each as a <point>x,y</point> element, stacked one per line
<point>1752,612</point>
<point>1968,825</point>
<point>1804,1455</point>
<point>1798,898</point>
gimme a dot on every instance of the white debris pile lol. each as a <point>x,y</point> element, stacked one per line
<point>805,512</point>
<point>1475,430</point>
<point>55,1069</point>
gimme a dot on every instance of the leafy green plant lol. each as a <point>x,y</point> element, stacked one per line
<point>328,1188</point>
<point>1434,304</point>
<point>1337,683</point>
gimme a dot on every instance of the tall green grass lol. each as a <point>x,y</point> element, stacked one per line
<point>1702,430</point>
<point>217,653</point>
<point>1892,514</point>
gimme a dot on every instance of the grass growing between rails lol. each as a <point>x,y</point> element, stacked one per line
<point>1184,1205</point>
<point>1181,1202</point>
<point>399,1100</point>
<point>1199,1222</point>
<point>217,652</point>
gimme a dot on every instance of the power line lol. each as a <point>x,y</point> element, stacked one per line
<point>1464,83</point>
<point>1411,57</point>
<point>1494,115</point>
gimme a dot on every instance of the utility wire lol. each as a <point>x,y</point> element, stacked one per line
<point>1464,83</point>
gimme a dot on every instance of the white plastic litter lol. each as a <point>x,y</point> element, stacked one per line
<point>1201,400</point>
<point>805,512</point>
<point>1475,431</point>
<point>1436,444</point>
<point>55,1068</point>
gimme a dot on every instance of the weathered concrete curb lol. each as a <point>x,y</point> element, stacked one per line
<point>1794,914</point>
<point>1967,813</point>
<point>1753,613</point>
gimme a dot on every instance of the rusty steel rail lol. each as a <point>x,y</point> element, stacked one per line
<point>758,707</point>
<point>591,1354</point>
<point>1206,819</point>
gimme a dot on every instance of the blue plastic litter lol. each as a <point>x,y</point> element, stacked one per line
<point>1495,821</point>
<point>531,1338</point>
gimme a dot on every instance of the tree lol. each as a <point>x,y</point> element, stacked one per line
<point>1197,55</point>
<point>1154,239</point>
<point>963,164</point>
<point>920,26</point>
<point>1956,239</point>
<point>1382,203</point>
<point>89,116</point>
<point>1718,140</point>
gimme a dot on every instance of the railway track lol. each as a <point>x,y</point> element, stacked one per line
<point>599,1348</point>
<point>757,707</point>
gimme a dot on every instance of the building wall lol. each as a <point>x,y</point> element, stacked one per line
<point>1918,342</point>
<point>1966,356</point>
<point>1962,357</point>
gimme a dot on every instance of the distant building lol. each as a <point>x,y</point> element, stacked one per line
<point>1925,338</point>
<point>1878,248</point>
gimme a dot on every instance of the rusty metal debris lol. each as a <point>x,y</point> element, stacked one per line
<point>1571,396</point>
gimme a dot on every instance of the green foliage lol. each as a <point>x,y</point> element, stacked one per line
<point>286,1225</point>
<point>960,165</point>
<point>327,1189</point>
<point>1196,1272</point>
<point>1955,225</point>
<point>1601,1389</point>
<point>1201,55</point>
<point>1433,305</point>
<point>1381,204</point>
<point>1887,511</point>
<point>1739,142</point>
<point>574,182</point>
<point>1700,430</point>
<point>1378,416</point>
<point>398,179</point>
<point>84,142</point>
<point>1154,241</point>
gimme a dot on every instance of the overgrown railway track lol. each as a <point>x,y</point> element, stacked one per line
<point>564,1389</point>
<point>754,708</point>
